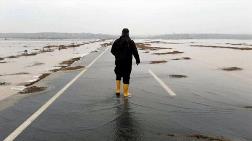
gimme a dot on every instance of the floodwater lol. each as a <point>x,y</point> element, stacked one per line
<point>209,99</point>
<point>16,72</point>
<point>204,70</point>
<point>211,104</point>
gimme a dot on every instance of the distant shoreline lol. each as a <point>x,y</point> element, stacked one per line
<point>55,35</point>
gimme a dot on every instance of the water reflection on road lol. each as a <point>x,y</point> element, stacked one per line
<point>126,127</point>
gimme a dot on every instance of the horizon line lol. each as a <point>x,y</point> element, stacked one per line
<point>131,35</point>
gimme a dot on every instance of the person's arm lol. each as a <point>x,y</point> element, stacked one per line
<point>113,49</point>
<point>135,52</point>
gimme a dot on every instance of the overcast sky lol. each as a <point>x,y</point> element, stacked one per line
<point>142,17</point>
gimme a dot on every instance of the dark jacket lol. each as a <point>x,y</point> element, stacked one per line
<point>123,49</point>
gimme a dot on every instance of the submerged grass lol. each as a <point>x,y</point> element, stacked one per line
<point>227,47</point>
<point>172,52</point>
<point>231,69</point>
<point>177,76</point>
<point>158,62</point>
<point>40,78</point>
<point>32,89</point>
<point>144,46</point>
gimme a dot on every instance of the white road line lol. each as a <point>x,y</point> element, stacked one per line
<point>166,88</point>
<point>35,115</point>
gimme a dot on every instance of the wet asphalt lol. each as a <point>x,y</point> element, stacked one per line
<point>89,110</point>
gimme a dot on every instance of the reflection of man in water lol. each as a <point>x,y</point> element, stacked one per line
<point>123,49</point>
<point>126,128</point>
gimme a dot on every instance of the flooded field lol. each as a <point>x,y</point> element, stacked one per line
<point>25,62</point>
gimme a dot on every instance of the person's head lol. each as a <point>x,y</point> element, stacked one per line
<point>125,32</point>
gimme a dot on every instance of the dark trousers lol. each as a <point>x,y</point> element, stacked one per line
<point>126,78</point>
<point>123,70</point>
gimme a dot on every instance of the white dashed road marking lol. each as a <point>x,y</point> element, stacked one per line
<point>166,88</point>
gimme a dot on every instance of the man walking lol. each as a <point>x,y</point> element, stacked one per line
<point>123,49</point>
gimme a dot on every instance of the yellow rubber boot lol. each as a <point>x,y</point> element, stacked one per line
<point>126,90</point>
<point>118,86</point>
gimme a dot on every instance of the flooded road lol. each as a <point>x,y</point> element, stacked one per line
<point>209,104</point>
